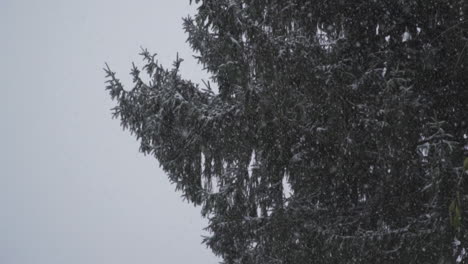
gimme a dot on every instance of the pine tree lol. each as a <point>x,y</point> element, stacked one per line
<point>336,135</point>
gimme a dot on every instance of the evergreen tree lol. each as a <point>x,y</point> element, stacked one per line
<point>336,135</point>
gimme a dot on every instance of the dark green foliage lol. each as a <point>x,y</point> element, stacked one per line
<point>359,106</point>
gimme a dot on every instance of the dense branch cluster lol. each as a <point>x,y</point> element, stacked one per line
<point>335,136</point>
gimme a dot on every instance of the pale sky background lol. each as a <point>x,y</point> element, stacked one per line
<point>73,186</point>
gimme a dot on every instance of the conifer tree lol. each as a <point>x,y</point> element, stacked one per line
<point>336,135</point>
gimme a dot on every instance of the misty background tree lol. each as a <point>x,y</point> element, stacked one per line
<point>335,135</point>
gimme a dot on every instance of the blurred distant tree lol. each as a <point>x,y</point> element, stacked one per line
<point>335,137</point>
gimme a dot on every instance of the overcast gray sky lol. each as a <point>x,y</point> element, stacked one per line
<point>73,186</point>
